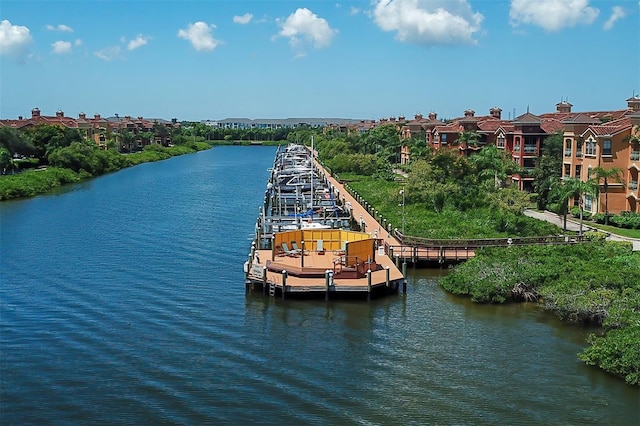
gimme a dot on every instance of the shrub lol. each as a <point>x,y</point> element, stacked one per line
<point>627,220</point>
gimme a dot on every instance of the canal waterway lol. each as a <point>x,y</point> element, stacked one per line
<point>122,301</point>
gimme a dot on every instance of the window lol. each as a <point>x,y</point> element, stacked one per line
<point>588,203</point>
<point>606,147</point>
<point>567,171</point>
<point>590,147</point>
<point>500,141</point>
<point>578,170</point>
<point>444,138</point>
<point>567,147</point>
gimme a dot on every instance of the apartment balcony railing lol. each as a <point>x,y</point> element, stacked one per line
<point>567,152</point>
<point>635,155</point>
<point>633,185</point>
<point>579,153</point>
<point>530,149</point>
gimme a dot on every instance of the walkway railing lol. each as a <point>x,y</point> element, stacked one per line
<point>486,242</point>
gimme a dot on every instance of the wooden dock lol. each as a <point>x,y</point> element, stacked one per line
<point>327,273</point>
<point>331,262</point>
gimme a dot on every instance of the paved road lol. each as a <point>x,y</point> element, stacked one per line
<point>573,225</point>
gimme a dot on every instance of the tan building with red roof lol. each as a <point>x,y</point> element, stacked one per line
<point>98,128</point>
<point>591,143</point>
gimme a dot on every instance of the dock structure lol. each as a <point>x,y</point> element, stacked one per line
<point>336,248</point>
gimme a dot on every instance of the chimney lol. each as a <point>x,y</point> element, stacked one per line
<point>82,116</point>
<point>563,106</point>
<point>96,116</point>
<point>496,112</point>
<point>433,116</point>
<point>19,117</point>
<point>35,113</point>
<point>418,116</point>
<point>633,103</point>
<point>469,113</point>
<point>59,114</point>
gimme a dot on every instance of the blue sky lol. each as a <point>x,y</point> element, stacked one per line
<point>196,60</point>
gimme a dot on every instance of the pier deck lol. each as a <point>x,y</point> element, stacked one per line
<point>306,274</point>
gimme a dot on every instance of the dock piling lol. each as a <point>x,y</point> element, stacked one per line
<point>284,283</point>
<point>327,283</point>
<point>264,280</point>
<point>368,284</point>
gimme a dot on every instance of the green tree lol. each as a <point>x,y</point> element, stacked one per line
<point>613,174</point>
<point>548,169</point>
<point>468,138</point>
<point>161,132</point>
<point>575,188</point>
<point>6,160</point>
<point>46,138</point>
<point>491,167</point>
<point>383,141</point>
<point>15,141</point>
<point>127,140</point>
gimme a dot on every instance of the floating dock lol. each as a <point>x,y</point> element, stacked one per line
<point>316,240</point>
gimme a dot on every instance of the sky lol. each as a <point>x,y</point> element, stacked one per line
<point>372,59</point>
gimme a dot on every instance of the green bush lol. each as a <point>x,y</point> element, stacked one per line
<point>628,220</point>
<point>34,182</point>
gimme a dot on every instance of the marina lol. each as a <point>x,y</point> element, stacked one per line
<point>313,239</point>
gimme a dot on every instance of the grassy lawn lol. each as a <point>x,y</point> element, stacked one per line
<point>623,232</point>
<point>423,222</point>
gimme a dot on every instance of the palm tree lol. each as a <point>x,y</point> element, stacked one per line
<point>127,139</point>
<point>572,188</point>
<point>614,174</point>
<point>468,139</point>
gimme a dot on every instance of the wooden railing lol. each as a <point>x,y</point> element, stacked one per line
<point>486,242</point>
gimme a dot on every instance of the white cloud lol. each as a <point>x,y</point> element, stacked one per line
<point>428,21</point>
<point>78,42</point>
<point>61,47</point>
<point>108,53</point>
<point>244,19</point>
<point>62,28</point>
<point>552,15</point>
<point>139,41</point>
<point>354,11</point>
<point>304,26</point>
<point>14,39</point>
<point>616,13</point>
<point>199,34</point>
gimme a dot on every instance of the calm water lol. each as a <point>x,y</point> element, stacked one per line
<point>122,301</point>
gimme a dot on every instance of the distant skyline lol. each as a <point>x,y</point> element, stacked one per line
<point>209,60</point>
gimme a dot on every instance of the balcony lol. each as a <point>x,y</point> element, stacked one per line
<point>531,149</point>
<point>579,153</point>
<point>635,155</point>
<point>567,152</point>
<point>633,185</point>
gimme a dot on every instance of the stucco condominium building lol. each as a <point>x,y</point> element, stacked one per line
<point>96,128</point>
<point>605,139</point>
<point>612,144</point>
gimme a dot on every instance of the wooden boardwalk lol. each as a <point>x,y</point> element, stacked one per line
<point>321,274</point>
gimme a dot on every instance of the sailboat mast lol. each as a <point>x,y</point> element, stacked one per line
<point>312,169</point>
